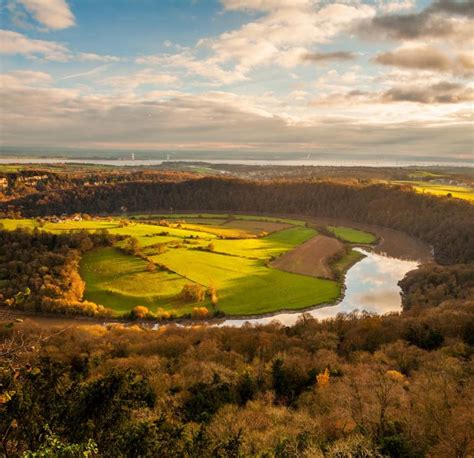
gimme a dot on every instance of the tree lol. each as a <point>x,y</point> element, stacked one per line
<point>139,312</point>
<point>212,293</point>
<point>54,446</point>
<point>132,246</point>
<point>150,267</point>
<point>200,313</point>
<point>192,292</point>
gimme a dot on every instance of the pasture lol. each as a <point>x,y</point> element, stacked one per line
<point>121,282</point>
<point>252,265</point>
<point>350,235</point>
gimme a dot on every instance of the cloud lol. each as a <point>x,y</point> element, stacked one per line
<point>461,8</point>
<point>280,36</point>
<point>328,56</point>
<point>16,43</point>
<point>93,71</point>
<point>393,6</point>
<point>440,93</point>
<point>263,5</point>
<point>54,14</point>
<point>207,68</point>
<point>144,77</point>
<point>21,78</point>
<point>49,116</point>
<point>407,26</point>
<point>282,28</point>
<point>427,58</point>
<point>444,18</point>
<point>91,57</point>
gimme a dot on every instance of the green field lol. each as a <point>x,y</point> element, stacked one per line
<point>199,250</point>
<point>353,256</point>
<point>121,282</point>
<point>350,235</point>
<point>223,216</point>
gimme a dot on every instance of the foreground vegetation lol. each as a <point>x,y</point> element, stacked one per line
<point>398,386</point>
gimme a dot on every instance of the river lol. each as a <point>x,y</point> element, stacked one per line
<point>370,285</point>
<point>252,162</point>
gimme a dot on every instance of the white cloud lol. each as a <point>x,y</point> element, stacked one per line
<point>91,57</point>
<point>281,31</point>
<point>281,36</point>
<point>54,14</point>
<point>21,78</point>
<point>263,5</point>
<point>390,6</point>
<point>206,68</point>
<point>16,43</point>
<point>93,71</point>
<point>144,77</point>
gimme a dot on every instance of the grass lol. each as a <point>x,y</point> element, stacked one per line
<point>219,231</point>
<point>256,228</point>
<point>121,282</point>
<point>442,190</point>
<point>246,286</point>
<point>347,261</point>
<point>265,247</point>
<point>141,231</point>
<point>12,224</point>
<point>293,222</point>
<point>424,174</point>
<point>351,235</point>
<point>10,168</point>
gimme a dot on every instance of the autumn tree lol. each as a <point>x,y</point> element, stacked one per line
<point>192,292</point>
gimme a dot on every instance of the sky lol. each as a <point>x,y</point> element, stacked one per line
<point>380,78</point>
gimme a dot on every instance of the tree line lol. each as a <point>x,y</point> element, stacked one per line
<point>39,271</point>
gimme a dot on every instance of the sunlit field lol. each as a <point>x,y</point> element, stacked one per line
<point>226,257</point>
<point>350,235</point>
<point>442,190</point>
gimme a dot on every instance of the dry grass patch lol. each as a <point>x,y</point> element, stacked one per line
<point>311,258</point>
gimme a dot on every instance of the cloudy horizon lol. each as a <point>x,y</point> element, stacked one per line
<point>351,77</point>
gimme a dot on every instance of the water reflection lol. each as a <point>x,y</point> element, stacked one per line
<point>371,285</point>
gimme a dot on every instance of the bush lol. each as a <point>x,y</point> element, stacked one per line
<point>192,293</point>
<point>139,313</point>
<point>200,313</point>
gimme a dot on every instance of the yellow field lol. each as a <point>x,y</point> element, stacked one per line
<point>443,190</point>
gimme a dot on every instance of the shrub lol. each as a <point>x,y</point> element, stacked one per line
<point>162,314</point>
<point>200,313</point>
<point>139,312</point>
<point>192,293</point>
<point>150,267</point>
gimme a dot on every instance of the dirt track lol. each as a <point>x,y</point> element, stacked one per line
<point>310,258</point>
